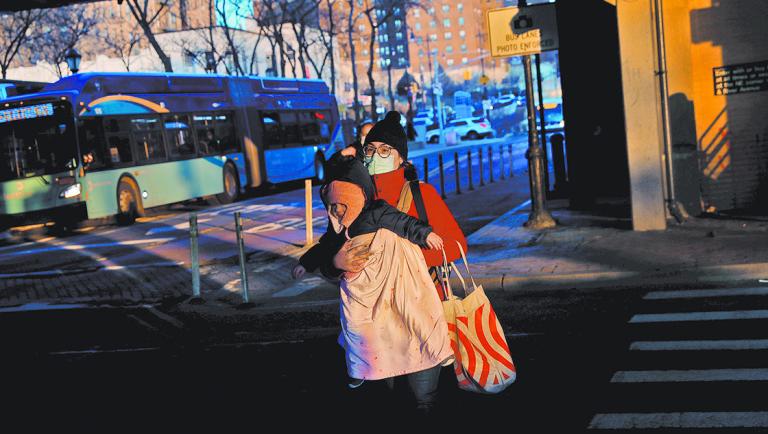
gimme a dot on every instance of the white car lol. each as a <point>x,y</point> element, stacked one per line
<point>464,128</point>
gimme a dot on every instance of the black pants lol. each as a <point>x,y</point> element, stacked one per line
<point>421,386</point>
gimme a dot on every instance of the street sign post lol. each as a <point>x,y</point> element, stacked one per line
<point>523,30</point>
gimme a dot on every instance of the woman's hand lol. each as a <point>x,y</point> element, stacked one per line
<point>351,259</point>
<point>298,272</point>
<point>434,241</point>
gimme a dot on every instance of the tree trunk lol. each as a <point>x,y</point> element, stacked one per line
<point>355,85</point>
<point>372,51</point>
<point>330,48</point>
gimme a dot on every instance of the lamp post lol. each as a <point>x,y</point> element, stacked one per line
<point>73,58</point>
<point>210,62</point>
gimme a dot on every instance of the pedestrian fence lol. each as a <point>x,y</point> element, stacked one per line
<point>506,168</point>
<point>475,163</point>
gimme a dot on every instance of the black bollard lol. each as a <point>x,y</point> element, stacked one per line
<point>426,170</point>
<point>490,163</point>
<point>456,169</point>
<point>501,161</point>
<point>442,176</point>
<point>469,170</point>
<point>480,164</point>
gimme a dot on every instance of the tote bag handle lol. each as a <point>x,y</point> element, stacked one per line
<point>469,273</point>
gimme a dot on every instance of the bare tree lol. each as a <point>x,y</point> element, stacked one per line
<point>60,30</point>
<point>146,16</point>
<point>270,16</point>
<point>327,36</point>
<point>226,15</point>
<point>15,30</point>
<point>351,19</point>
<point>122,41</point>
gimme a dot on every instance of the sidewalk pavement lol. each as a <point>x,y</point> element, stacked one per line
<point>589,250</point>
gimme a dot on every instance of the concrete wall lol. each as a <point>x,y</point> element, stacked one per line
<point>641,114</point>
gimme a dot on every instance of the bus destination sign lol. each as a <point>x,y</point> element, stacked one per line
<point>21,113</point>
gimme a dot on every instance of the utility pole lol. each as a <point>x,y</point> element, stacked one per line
<point>539,218</point>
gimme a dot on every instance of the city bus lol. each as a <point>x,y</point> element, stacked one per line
<point>95,145</point>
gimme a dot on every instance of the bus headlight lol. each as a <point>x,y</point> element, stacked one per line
<point>73,190</point>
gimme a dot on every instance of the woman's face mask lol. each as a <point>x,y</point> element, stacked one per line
<point>378,164</point>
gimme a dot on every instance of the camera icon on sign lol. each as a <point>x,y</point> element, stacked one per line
<point>522,22</point>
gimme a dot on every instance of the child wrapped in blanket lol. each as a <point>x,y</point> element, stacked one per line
<point>392,323</point>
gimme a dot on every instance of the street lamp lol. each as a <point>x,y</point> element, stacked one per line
<point>210,62</point>
<point>73,57</point>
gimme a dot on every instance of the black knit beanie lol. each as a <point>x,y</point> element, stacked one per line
<point>389,131</point>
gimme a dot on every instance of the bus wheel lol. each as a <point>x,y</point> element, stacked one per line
<point>127,203</point>
<point>319,168</point>
<point>231,187</point>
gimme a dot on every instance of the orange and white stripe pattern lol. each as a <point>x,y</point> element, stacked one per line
<point>483,360</point>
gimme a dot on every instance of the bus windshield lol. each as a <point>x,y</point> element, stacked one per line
<point>36,139</point>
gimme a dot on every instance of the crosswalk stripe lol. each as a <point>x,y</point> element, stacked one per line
<point>724,344</point>
<point>694,375</point>
<point>700,316</point>
<point>725,419</point>
<point>704,293</point>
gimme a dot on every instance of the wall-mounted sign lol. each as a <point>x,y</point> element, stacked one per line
<point>517,31</point>
<point>741,78</point>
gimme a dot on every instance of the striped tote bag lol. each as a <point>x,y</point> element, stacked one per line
<point>483,363</point>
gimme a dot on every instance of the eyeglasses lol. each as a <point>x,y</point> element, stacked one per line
<point>384,151</point>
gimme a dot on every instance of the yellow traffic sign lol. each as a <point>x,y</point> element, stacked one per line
<point>484,80</point>
<point>516,31</point>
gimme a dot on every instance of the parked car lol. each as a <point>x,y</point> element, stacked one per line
<point>465,128</point>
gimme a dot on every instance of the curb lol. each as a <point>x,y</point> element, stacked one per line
<point>623,279</point>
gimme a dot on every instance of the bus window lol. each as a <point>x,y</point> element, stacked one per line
<point>180,143</point>
<point>148,136</point>
<point>291,129</point>
<point>314,127</point>
<point>272,134</point>
<point>225,133</point>
<point>91,144</point>
<point>205,135</point>
<point>36,145</point>
<point>118,142</point>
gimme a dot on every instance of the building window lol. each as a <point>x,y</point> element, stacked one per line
<point>399,36</point>
<point>462,34</point>
<point>461,21</point>
<point>398,24</point>
<point>419,40</point>
<point>464,60</point>
<point>449,62</point>
<point>365,52</point>
<point>416,13</point>
<point>384,26</point>
<point>401,61</point>
<point>432,11</point>
<point>433,24</point>
<point>400,49</point>
<point>446,8</point>
<point>447,22</point>
<point>421,53</point>
<point>449,49</point>
<point>460,7</point>
<point>463,48</point>
<point>448,36</point>
<point>418,26</point>
<point>433,37</point>
<point>361,28</point>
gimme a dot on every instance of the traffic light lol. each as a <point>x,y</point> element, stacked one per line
<point>467,75</point>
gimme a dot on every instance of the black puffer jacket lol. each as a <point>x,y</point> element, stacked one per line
<point>375,215</point>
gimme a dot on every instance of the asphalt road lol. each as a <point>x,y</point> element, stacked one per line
<point>632,360</point>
